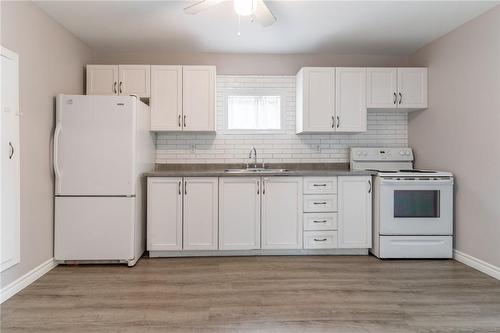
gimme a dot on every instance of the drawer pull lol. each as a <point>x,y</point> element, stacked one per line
<point>320,239</point>
<point>320,203</point>
<point>317,185</point>
<point>322,221</point>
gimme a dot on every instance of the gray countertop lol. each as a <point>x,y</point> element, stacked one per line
<point>293,169</point>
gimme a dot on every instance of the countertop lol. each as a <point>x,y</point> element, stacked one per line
<point>293,169</point>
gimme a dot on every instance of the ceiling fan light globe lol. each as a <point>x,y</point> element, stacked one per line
<point>245,7</point>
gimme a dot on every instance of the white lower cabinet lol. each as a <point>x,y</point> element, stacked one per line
<point>239,213</point>
<point>355,211</point>
<point>164,214</point>
<point>200,227</point>
<point>281,213</point>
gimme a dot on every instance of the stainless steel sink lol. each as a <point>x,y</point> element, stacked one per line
<point>255,170</point>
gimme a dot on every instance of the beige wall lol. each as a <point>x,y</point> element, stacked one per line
<point>251,64</point>
<point>51,61</point>
<point>460,131</point>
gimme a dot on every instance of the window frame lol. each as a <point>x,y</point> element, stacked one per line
<point>252,92</point>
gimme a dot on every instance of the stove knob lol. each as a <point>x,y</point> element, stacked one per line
<point>407,153</point>
<point>358,153</point>
<point>365,154</point>
<point>401,153</point>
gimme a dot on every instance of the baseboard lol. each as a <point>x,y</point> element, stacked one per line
<point>478,264</point>
<point>16,286</point>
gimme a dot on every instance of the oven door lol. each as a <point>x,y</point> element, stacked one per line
<point>416,206</point>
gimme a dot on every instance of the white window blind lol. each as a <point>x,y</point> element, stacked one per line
<point>245,112</point>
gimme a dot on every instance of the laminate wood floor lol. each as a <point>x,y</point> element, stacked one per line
<point>259,294</point>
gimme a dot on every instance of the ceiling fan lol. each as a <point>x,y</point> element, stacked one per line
<point>257,10</point>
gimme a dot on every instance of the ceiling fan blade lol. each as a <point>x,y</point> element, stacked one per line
<point>263,15</point>
<point>200,5</point>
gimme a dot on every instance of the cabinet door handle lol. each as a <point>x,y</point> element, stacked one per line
<point>400,98</point>
<point>322,221</point>
<point>121,86</point>
<point>320,239</point>
<point>258,186</point>
<point>320,203</point>
<point>185,188</point>
<point>114,87</point>
<point>184,120</point>
<point>317,185</point>
<point>370,188</point>
<point>333,121</point>
<point>395,98</point>
<point>338,121</point>
<point>180,185</point>
<point>263,186</point>
<point>179,121</point>
<point>11,150</point>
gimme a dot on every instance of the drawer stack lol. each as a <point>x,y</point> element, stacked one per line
<point>320,212</point>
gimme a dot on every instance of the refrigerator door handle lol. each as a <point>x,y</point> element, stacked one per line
<point>57,134</point>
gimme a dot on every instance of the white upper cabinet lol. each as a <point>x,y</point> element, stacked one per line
<point>200,213</point>
<point>331,100</point>
<point>118,80</point>
<point>381,88</point>
<point>134,80</point>
<point>354,211</point>
<point>164,214</point>
<point>166,98</point>
<point>412,88</point>
<point>397,88</point>
<point>239,213</point>
<point>315,99</point>
<point>281,213</point>
<point>102,80</point>
<point>350,99</point>
<point>198,98</point>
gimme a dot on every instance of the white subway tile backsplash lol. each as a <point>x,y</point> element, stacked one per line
<point>385,129</point>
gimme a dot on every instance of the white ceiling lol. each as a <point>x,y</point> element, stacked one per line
<point>372,27</point>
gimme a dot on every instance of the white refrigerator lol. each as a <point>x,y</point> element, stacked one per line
<point>102,146</point>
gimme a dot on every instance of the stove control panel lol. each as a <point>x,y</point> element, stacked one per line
<point>382,154</point>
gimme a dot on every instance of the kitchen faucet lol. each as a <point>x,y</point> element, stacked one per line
<point>255,156</point>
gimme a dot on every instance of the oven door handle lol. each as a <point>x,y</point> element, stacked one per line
<point>445,181</point>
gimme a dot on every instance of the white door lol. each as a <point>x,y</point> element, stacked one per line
<point>239,213</point>
<point>350,99</point>
<point>381,88</point>
<point>355,211</point>
<point>281,213</point>
<point>134,80</point>
<point>166,98</point>
<point>198,98</point>
<point>94,145</point>
<point>318,99</point>
<point>200,213</point>
<point>412,86</point>
<point>10,164</point>
<point>164,214</point>
<point>102,79</point>
<point>94,228</point>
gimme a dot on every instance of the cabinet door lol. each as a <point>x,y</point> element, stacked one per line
<point>239,213</point>
<point>134,80</point>
<point>164,214</point>
<point>198,98</point>
<point>381,88</point>
<point>355,211</point>
<point>200,213</point>
<point>317,100</point>
<point>350,99</point>
<point>281,213</point>
<point>166,98</point>
<point>412,86</point>
<point>102,80</point>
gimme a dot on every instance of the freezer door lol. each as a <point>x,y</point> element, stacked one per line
<point>94,145</point>
<point>94,228</point>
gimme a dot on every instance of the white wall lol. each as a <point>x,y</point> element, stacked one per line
<point>460,131</point>
<point>51,61</point>
<point>386,129</point>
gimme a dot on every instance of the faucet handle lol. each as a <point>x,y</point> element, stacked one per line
<point>263,165</point>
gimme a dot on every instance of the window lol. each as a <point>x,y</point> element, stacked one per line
<point>253,112</point>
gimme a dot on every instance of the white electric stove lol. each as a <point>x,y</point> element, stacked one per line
<point>412,209</point>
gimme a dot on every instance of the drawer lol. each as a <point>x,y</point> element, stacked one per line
<point>320,239</point>
<point>320,221</point>
<point>416,247</point>
<point>320,203</point>
<point>316,185</point>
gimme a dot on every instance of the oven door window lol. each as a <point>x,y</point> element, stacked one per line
<point>416,203</point>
